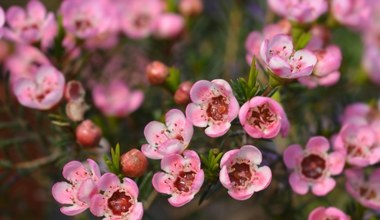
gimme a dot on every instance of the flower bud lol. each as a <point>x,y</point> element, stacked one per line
<point>157,72</point>
<point>182,95</point>
<point>133,163</point>
<point>74,91</point>
<point>88,134</point>
<point>190,7</point>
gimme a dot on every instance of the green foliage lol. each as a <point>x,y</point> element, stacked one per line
<point>113,163</point>
<point>173,80</point>
<point>211,164</point>
<point>246,89</point>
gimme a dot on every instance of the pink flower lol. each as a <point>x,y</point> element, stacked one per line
<point>81,186</point>
<point>371,62</point>
<point>240,172</point>
<point>2,21</point>
<point>255,38</point>
<point>43,90</point>
<point>32,25</point>
<point>182,179</point>
<point>263,117</point>
<point>322,213</point>
<point>279,56</point>
<point>116,200</point>
<point>169,25</point>
<point>164,139</point>
<point>213,106</point>
<point>356,113</point>
<point>326,72</point>
<point>360,143</point>
<point>301,11</point>
<point>116,99</point>
<point>138,17</point>
<point>86,19</point>
<point>353,13</point>
<point>313,166</point>
<point>365,190</point>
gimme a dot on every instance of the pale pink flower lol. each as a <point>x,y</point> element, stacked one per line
<point>255,38</point>
<point>356,113</point>
<point>353,13</point>
<point>116,200</point>
<point>263,117</point>
<point>169,25</point>
<point>182,177</point>
<point>326,72</point>
<point>164,139</point>
<point>33,25</point>
<point>116,99</point>
<point>279,57</point>
<point>86,19</point>
<point>42,91</point>
<point>365,190</point>
<point>371,62</point>
<point>81,186</point>
<point>322,213</point>
<point>2,21</point>
<point>301,11</point>
<point>240,172</point>
<point>359,141</point>
<point>313,167</point>
<point>138,17</point>
<point>213,106</point>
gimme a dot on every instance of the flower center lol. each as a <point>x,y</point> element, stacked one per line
<point>367,193</point>
<point>142,20</point>
<point>217,108</point>
<point>313,166</point>
<point>82,25</point>
<point>119,203</point>
<point>261,116</point>
<point>240,174</point>
<point>184,181</point>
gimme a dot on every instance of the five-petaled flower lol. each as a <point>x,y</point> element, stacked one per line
<point>164,139</point>
<point>240,172</point>
<point>322,213</point>
<point>182,177</point>
<point>213,106</point>
<point>313,166</point>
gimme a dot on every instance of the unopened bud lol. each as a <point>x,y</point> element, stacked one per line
<point>88,134</point>
<point>133,163</point>
<point>190,7</point>
<point>157,72</point>
<point>182,95</point>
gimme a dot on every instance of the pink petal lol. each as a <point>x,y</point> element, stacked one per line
<point>262,179</point>
<point>136,98</point>
<point>317,214</point>
<point>279,66</point>
<point>198,181</point>
<point>201,91</point>
<point>177,124</point>
<point>224,178</point>
<point>323,187</point>
<point>217,130</point>
<point>243,194</point>
<point>192,157</point>
<point>233,108</point>
<point>281,45</point>
<point>354,174</point>
<point>36,10</point>
<point>336,160</point>
<point>172,146</point>
<point>62,192</point>
<point>298,185</point>
<point>223,86</point>
<point>318,144</point>
<point>2,17</point>
<point>151,152</point>
<point>155,133</point>
<point>162,182</point>
<point>172,163</point>
<point>137,211</point>
<point>108,181</point>
<point>292,155</point>
<point>98,205</point>
<point>196,115</point>
<point>70,170</point>
<point>86,190</point>
<point>180,200</point>
<point>332,211</point>
<point>131,187</point>
<point>249,152</point>
<point>73,210</point>
<point>229,155</point>
<point>15,16</point>
<point>264,50</point>
<point>94,167</point>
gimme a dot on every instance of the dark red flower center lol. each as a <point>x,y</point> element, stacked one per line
<point>184,181</point>
<point>142,20</point>
<point>313,166</point>
<point>261,116</point>
<point>217,108</point>
<point>240,174</point>
<point>367,193</point>
<point>82,25</point>
<point>119,203</point>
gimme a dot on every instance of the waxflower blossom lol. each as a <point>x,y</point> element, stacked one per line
<point>364,190</point>
<point>371,62</point>
<point>279,56</point>
<point>301,11</point>
<point>313,166</point>
<point>322,213</point>
<point>33,25</point>
<point>213,106</point>
<point>138,17</point>
<point>169,25</point>
<point>263,117</point>
<point>2,21</point>
<point>182,177</point>
<point>116,99</point>
<point>81,186</point>
<point>360,143</point>
<point>164,139</point>
<point>43,90</point>
<point>116,200</point>
<point>86,19</point>
<point>240,172</point>
<point>353,13</point>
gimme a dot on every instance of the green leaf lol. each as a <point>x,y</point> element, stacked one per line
<point>173,81</point>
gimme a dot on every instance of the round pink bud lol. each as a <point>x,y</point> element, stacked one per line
<point>190,7</point>
<point>74,91</point>
<point>88,134</point>
<point>157,72</point>
<point>182,95</point>
<point>133,163</point>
